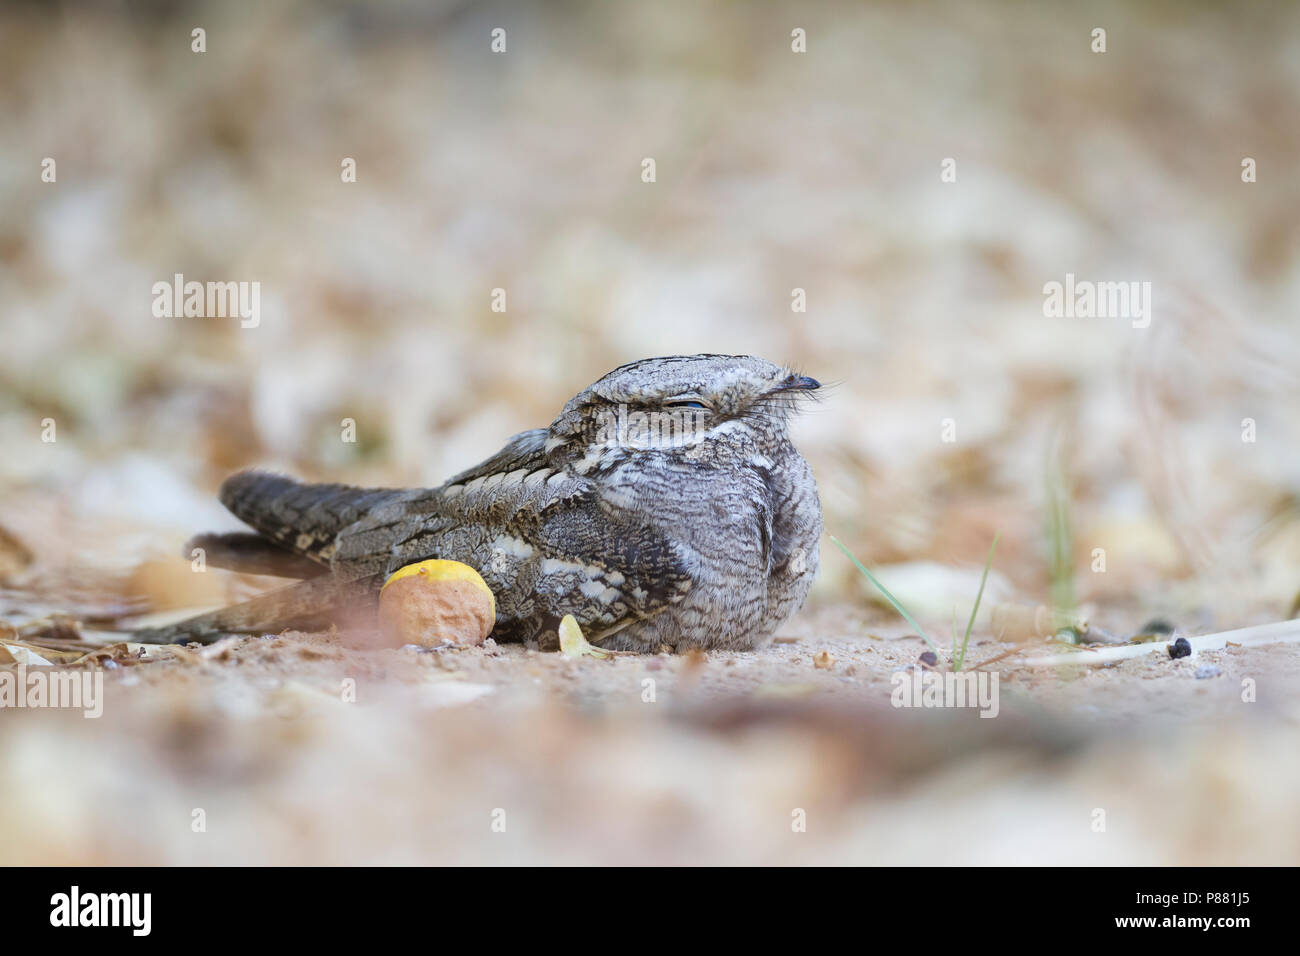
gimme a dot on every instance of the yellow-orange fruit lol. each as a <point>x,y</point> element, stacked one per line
<point>435,601</point>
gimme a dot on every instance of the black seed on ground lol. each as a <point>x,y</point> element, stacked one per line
<point>1180,648</point>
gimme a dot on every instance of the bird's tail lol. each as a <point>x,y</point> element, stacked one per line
<point>302,518</point>
<point>307,605</point>
<point>251,554</point>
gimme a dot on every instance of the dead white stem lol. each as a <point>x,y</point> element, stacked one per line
<point>1281,632</point>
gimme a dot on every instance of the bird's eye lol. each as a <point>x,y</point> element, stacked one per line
<point>684,405</point>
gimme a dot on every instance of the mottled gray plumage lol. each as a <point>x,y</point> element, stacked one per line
<point>664,506</point>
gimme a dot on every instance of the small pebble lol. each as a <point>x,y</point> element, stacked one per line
<point>930,659</point>
<point>1180,648</point>
<point>1207,670</point>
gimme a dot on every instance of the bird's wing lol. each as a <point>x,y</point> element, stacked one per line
<point>367,544</point>
<point>525,450</point>
<point>545,541</point>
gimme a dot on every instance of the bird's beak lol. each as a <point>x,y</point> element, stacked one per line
<point>795,383</point>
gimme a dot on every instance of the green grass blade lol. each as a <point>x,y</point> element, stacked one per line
<point>1059,530</point>
<point>883,590</point>
<point>957,664</point>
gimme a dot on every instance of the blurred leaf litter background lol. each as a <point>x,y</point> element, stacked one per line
<point>775,171</point>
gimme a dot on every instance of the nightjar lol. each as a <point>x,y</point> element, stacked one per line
<point>664,507</point>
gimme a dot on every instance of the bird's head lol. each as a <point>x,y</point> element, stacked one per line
<point>680,405</point>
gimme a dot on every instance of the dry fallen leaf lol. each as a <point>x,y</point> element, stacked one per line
<point>57,628</point>
<point>170,583</point>
<point>14,556</point>
<point>130,652</point>
<point>17,654</point>
<point>51,654</point>
<point>573,643</point>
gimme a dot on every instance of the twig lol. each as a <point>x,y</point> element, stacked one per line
<point>1279,632</point>
<point>998,657</point>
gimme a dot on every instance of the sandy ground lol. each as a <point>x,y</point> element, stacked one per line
<point>298,749</point>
